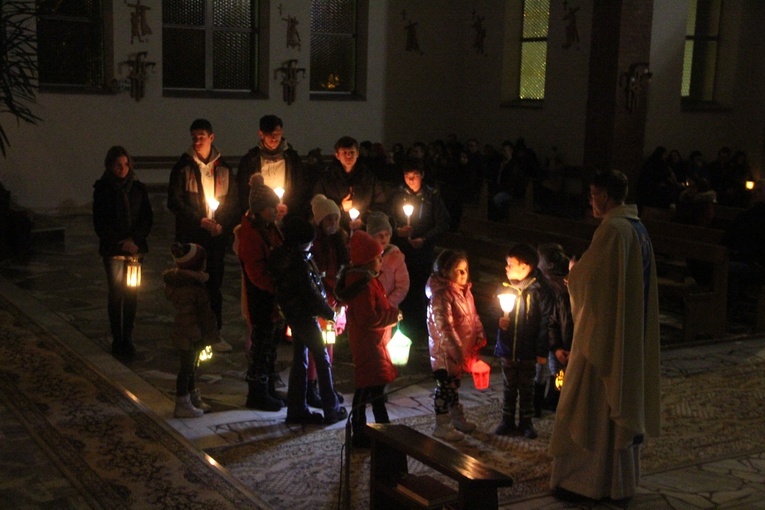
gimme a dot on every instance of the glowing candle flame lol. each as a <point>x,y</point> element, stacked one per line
<point>408,210</point>
<point>353,213</point>
<point>507,303</point>
<point>279,193</point>
<point>749,184</point>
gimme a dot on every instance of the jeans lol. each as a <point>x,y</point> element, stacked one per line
<point>518,378</point>
<point>306,337</point>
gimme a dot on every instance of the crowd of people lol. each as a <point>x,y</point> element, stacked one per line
<point>336,249</point>
<point>669,181</point>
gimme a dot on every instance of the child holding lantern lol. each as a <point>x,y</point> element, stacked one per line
<point>456,336</point>
<point>194,327</point>
<point>522,338</point>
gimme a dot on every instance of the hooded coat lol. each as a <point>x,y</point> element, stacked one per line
<point>454,327</point>
<point>369,314</point>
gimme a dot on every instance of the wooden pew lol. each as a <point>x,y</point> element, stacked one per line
<point>704,306</point>
<point>392,444</point>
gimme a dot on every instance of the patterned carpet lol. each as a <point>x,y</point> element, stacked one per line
<point>705,416</point>
<point>107,446</point>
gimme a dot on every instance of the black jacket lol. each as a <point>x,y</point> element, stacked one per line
<point>186,199</point>
<point>121,210</point>
<point>298,187</point>
<point>299,291</point>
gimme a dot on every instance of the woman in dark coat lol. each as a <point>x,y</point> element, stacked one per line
<point>122,218</point>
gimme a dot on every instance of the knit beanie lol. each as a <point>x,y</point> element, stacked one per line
<point>322,207</point>
<point>261,196</point>
<point>189,256</point>
<point>364,248</point>
<point>298,231</point>
<point>377,221</point>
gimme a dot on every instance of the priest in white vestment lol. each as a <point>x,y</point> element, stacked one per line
<point>610,397</point>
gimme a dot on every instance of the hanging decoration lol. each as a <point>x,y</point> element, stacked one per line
<point>293,36</point>
<point>572,33</point>
<point>411,35</point>
<point>139,23</point>
<point>289,70</point>
<point>480,32</point>
<point>138,76</point>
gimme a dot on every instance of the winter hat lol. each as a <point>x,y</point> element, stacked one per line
<point>322,207</point>
<point>364,248</point>
<point>261,196</point>
<point>298,231</point>
<point>189,256</point>
<point>377,221</point>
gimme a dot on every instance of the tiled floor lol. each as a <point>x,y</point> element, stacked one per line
<point>63,288</point>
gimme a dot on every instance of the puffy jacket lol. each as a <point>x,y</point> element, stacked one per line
<point>454,327</point>
<point>528,335</point>
<point>369,315</point>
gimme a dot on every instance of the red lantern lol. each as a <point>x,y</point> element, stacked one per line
<point>481,372</point>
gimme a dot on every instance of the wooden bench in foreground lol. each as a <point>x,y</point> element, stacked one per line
<point>392,444</point>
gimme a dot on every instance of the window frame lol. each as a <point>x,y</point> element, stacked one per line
<point>106,59</point>
<point>361,37</point>
<point>513,56</point>
<point>697,101</point>
<point>260,33</point>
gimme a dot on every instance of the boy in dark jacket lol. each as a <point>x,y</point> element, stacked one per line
<point>522,338</point>
<point>301,297</point>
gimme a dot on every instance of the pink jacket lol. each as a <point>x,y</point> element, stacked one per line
<point>455,330</point>
<point>394,275</point>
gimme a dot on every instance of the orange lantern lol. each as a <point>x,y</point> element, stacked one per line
<point>481,372</point>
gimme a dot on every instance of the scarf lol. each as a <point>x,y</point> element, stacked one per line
<point>273,155</point>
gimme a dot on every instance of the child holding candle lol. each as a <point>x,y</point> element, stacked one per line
<point>523,338</point>
<point>456,336</point>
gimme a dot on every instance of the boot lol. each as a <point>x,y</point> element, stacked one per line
<point>128,347</point>
<point>312,396</point>
<point>539,398</point>
<point>528,428</point>
<point>445,430</point>
<point>196,400</point>
<point>185,409</point>
<point>506,427</point>
<point>258,397</point>
<point>458,419</point>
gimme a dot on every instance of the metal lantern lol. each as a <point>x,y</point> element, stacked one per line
<point>507,302</point>
<point>133,270</point>
<point>398,348</point>
<point>481,372</point>
<point>328,333</point>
